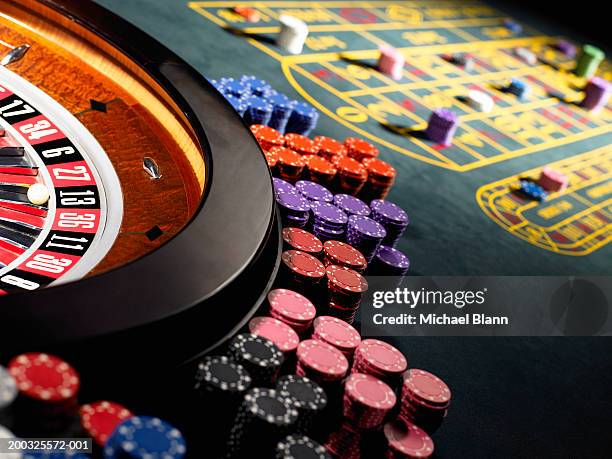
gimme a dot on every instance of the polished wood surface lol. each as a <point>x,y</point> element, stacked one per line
<point>75,67</point>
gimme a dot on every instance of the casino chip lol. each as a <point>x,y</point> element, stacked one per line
<point>220,374</point>
<point>260,357</point>
<point>338,333</point>
<point>320,361</point>
<point>301,271</point>
<point>306,396</point>
<point>8,388</point>
<point>329,148</point>
<point>299,239</point>
<point>367,400</point>
<point>145,437</point>
<point>99,419</point>
<point>44,377</point>
<point>381,360</point>
<point>360,149</point>
<point>281,334</point>
<point>406,440</point>
<point>425,400</point>
<point>300,447</point>
<point>340,253</point>
<point>292,308</point>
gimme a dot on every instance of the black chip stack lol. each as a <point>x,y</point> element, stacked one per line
<point>306,396</point>
<point>261,358</point>
<point>264,418</point>
<point>300,447</point>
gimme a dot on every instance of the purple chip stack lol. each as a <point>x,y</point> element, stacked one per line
<point>596,94</point>
<point>351,205</point>
<point>365,235</point>
<point>567,48</point>
<point>442,126</point>
<point>328,222</point>
<point>281,185</point>
<point>392,217</point>
<point>293,208</point>
<point>389,262</point>
<point>313,191</point>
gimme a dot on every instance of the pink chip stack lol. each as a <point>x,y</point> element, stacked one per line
<point>320,362</point>
<point>290,307</point>
<point>367,400</point>
<point>391,62</point>
<point>552,180</point>
<point>338,333</point>
<point>381,360</point>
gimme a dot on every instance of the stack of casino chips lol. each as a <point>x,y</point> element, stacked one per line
<point>553,180</point>
<point>259,356</point>
<point>442,126</point>
<point>389,261</point>
<point>328,221</point>
<point>289,163</point>
<point>300,447</point>
<point>391,62</point>
<point>367,400</point>
<point>381,177</point>
<point>343,254</point>
<point>301,272</point>
<point>329,148</point>
<point>407,441</point>
<point>589,61</point>
<point>48,388</point>
<point>321,362</point>
<point>306,396</point>
<point>365,234</point>
<point>145,436</point>
<point>282,335</point>
<point>519,88</point>
<point>300,144</point>
<point>267,137</point>
<point>532,190</point>
<point>258,111</point>
<point>282,107</point>
<point>337,333</point>
<point>264,418</point>
<point>351,205</point>
<point>237,104</point>
<point>292,34</point>
<point>319,170</point>
<point>303,119</point>
<point>596,94</point>
<point>360,149</point>
<point>290,307</point>
<point>345,442</point>
<point>425,400</point>
<point>294,208</point>
<point>351,175</point>
<point>512,25</point>
<point>281,185</point>
<point>99,419</point>
<point>345,289</point>
<point>313,191</point>
<point>567,48</point>
<point>299,239</point>
<point>392,217</point>
<point>381,360</point>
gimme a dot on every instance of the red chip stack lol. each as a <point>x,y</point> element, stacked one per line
<point>299,239</point>
<point>343,254</point>
<point>99,419</point>
<point>290,307</point>
<point>345,442</point>
<point>407,441</point>
<point>360,149</point>
<point>277,331</point>
<point>345,289</point>
<point>320,362</point>
<point>380,359</point>
<point>367,400</point>
<point>300,144</point>
<point>351,175</point>
<point>289,164</point>
<point>271,158</point>
<point>301,271</point>
<point>381,177</point>
<point>425,399</point>
<point>329,148</point>
<point>319,170</point>
<point>337,333</point>
<point>267,137</point>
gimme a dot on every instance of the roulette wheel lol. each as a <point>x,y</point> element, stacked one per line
<point>132,204</point>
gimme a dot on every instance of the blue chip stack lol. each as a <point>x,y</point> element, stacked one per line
<point>282,107</point>
<point>303,119</point>
<point>293,207</point>
<point>258,111</point>
<point>328,222</point>
<point>389,262</point>
<point>519,88</point>
<point>533,190</point>
<point>145,436</point>
<point>392,217</point>
<point>313,191</point>
<point>365,235</point>
<point>239,104</point>
<point>236,88</point>
<point>259,88</point>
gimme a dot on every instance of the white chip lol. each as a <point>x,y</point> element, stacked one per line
<point>480,101</point>
<point>38,194</point>
<point>292,35</point>
<point>526,55</point>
